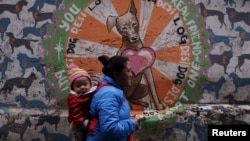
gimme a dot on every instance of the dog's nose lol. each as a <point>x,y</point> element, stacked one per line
<point>134,38</point>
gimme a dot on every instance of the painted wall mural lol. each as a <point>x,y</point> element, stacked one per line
<point>158,30</point>
<point>184,55</point>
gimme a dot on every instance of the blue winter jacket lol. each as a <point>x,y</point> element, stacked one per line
<point>113,111</point>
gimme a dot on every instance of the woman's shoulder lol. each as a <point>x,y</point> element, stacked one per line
<point>108,91</point>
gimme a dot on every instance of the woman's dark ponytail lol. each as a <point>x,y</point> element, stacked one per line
<point>103,59</point>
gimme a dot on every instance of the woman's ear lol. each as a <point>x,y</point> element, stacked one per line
<point>116,75</point>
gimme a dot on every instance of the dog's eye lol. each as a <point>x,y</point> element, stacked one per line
<point>134,24</point>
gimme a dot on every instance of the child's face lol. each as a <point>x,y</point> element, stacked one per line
<point>81,85</point>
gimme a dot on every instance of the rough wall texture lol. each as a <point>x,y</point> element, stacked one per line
<point>189,54</point>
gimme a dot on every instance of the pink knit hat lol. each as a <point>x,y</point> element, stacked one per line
<point>75,72</point>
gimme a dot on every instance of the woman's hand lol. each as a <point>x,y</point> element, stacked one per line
<point>138,119</point>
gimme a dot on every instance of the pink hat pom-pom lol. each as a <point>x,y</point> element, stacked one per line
<point>72,66</point>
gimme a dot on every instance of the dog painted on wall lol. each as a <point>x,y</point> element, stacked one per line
<point>241,60</point>
<point>214,39</point>
<point>20,82</point>
<point>27,62</point>
<point>27,104</point>
<point>238,82</point>
<point>13,8</point>
<point>4,24</point>
<point>53,118</point>
<point>222,59</point>
<point>15,42</point>
<point>185,127</point>
<point>40,16</point>
<point>214,86</point>
<point>39,31</point>
<point>4,66</point>
<point>210,12</point>
<point>235,16</point>
<point>127,25</point>
<point>17,128</point>
<point>243,34</point>
<point>49,136</point>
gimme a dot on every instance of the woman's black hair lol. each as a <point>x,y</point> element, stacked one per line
<point>114,64</point>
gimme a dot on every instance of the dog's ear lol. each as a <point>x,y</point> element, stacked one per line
<point>111,21</point>
<point>132,8</point>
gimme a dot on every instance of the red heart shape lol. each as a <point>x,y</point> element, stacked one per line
<point>140,59</point>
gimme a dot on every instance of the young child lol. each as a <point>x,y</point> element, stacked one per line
<point>79,100</point>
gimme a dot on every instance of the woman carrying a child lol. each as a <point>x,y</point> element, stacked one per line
<point>109,105</point>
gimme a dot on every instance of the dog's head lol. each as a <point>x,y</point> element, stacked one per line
<point>32,76</point>
<point>127,24</point>
<point>201,5</point>
<point>32,9</point>
<point>239,29</point>
<point>230,11</point>
<point>4,23</point>
<point>210,32</point>
<point>9,34</point>
<point>23,2</point>
<point>233,75</point>
<point>19,98</point>
<point>228,54</point>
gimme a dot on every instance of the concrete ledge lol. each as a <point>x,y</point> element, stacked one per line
<point>172,124</point>
<point>189,122</point>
